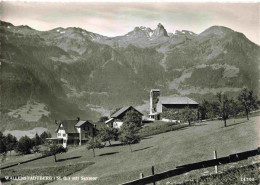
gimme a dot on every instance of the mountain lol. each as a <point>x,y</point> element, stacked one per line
<point>140,36</point>
<point>64,73</point>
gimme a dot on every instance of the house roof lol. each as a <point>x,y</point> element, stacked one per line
<point>69,126</point>
<point>81,122</point>
<point>122,110</point>
<point>177,100</point>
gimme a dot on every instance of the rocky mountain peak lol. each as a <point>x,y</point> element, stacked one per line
<point>160,31</point>
<point>160,25</point>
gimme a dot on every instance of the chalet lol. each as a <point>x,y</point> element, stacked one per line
<point>160,104</point>
<point>75,132</point>
<point>117,118</point>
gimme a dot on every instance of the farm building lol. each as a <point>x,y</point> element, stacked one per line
<point>159,104</point>
<point>117,118</point>
<point>76,132</point>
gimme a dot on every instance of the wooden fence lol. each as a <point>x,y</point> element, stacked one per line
<point>194,166</point>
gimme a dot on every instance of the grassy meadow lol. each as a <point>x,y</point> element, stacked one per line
<point>117,164</point>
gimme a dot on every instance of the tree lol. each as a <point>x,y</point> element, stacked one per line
<point>15,142</point>
<point>24,145</point>
<point>116,134</point>
<point>203,109</point>
<point>213,110</point>
<point>208,110</point>
<point>93,143</point>
<point>10,142</point>
<point>224,107</point>
<point>107,134</point>
<point>129,134</point>
<point>49,148</point>
<point>133,117</point>
<point>45,135</point>
<point>189,115</point>
<point>2,147</point>
<point>1,135</point>
<point>248,101</point>
<point>235,108</point>
<point>56,149</point>
<point>37,140</point>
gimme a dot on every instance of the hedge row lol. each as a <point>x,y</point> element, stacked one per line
<point>148,131</point>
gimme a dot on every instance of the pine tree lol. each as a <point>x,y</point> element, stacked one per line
<point>37,140</point>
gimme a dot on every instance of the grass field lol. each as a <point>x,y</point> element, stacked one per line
<point>116,164</point>
<point>246,174</point>
<point>15,158</point>
<point>52,173</point>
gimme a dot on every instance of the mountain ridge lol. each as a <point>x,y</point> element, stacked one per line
<point>72,72</point>
<point>159,26</point>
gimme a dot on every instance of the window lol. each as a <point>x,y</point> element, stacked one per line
<point>64,135</point>
<point>86,135</point>
<point>64,141</point>
<point>59,134</point>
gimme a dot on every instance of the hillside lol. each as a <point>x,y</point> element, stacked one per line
<point>68,72</point>
<point>117,164</point>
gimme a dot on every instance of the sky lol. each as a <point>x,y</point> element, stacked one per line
<point>118,18</point>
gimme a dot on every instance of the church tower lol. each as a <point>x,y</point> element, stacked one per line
<point>154,98</point>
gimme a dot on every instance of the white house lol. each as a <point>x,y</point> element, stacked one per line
<point>75,132</point>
